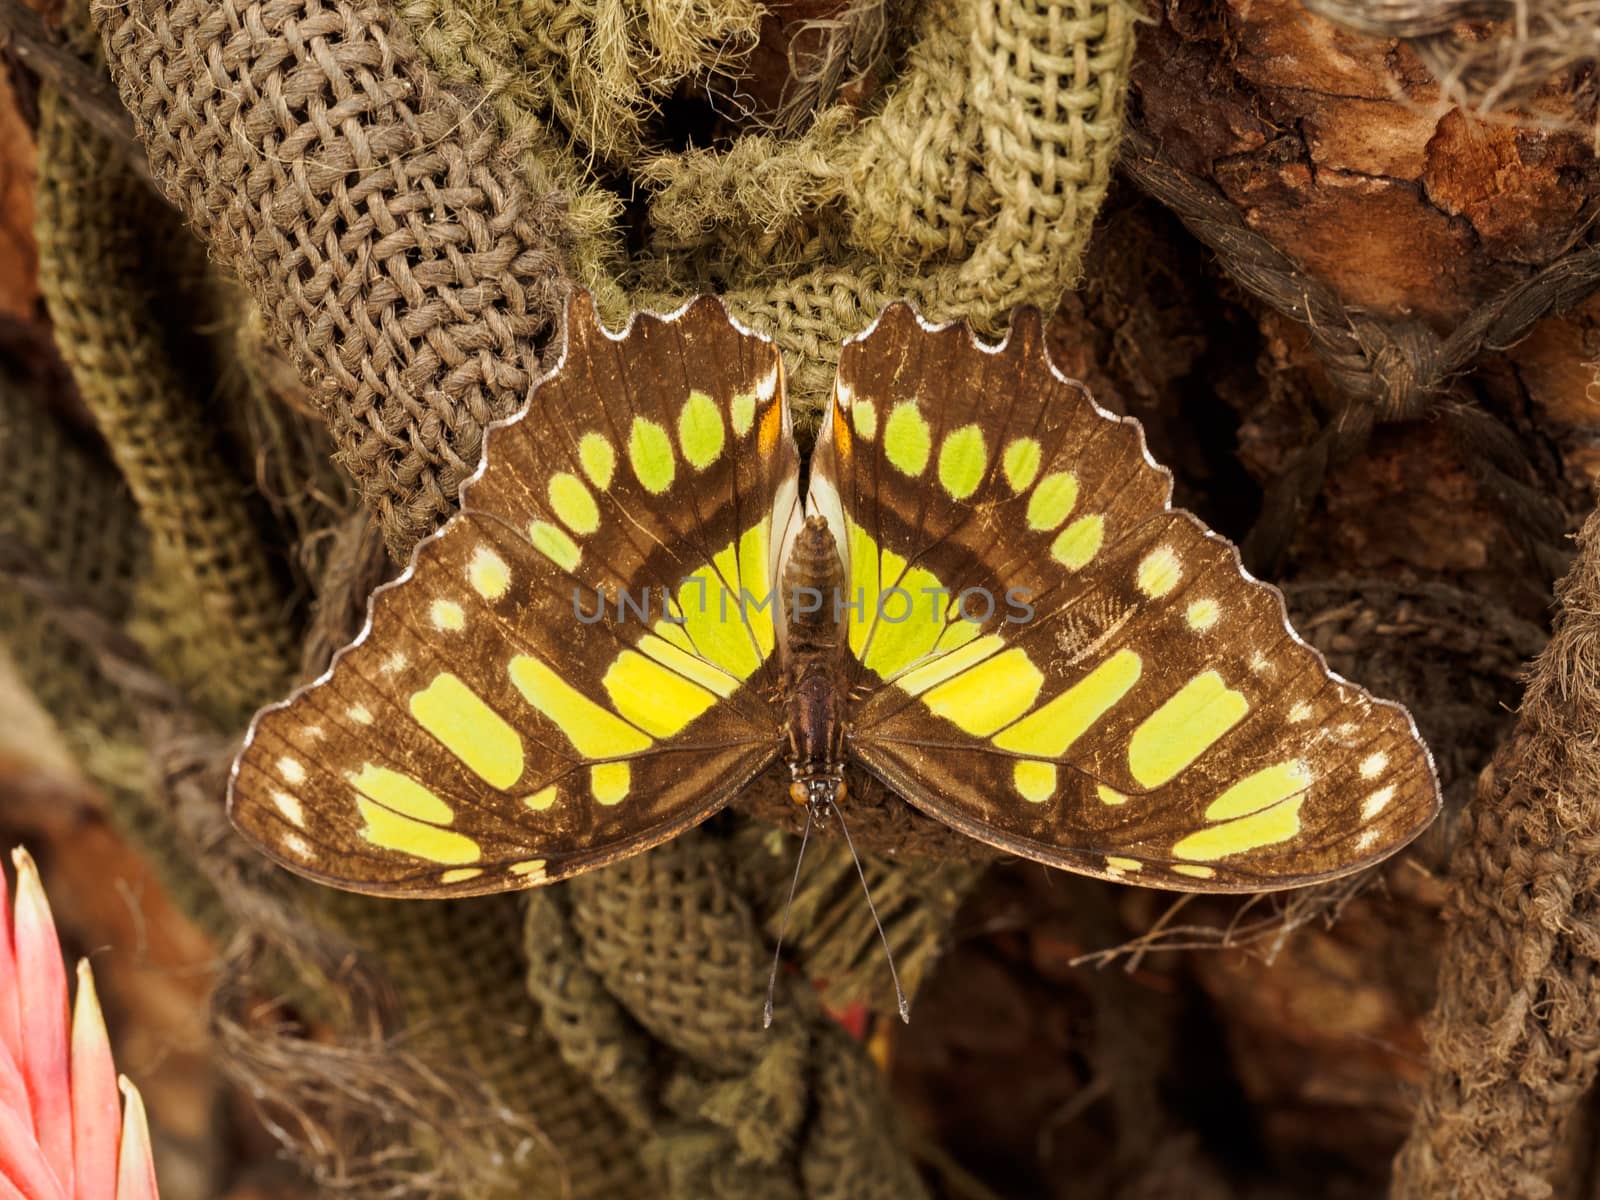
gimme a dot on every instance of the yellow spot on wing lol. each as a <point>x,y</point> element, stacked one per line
<point>700,431</point>
<point>552,542</point>
<point>753,570</point>
<point>531,869</point>
<point>401,794</point>
<point>989,696</point>
<point>864,416</point>
<point>392,831</point>
<point>709,603</point>
<point>1377,802</point>
<point>1159,572</point>
<point>650,453</point>
<point>1203,614</point>
<point>743,412</point>
<point>488,574</point>
<point>471,730</point>
<point>1268,827</point>
<point>290,808</point>
<point>1054,726</point>
<point>460,874</point>
<point>1194,872</point>
<point>672,632</point>
<point>594,732</point>
<point>542,799</point>
<point>1036,781</point>
<point>291,770</point>
<point>890,646</point>
<point>1183,728</point>
<point>689,665</point>
<point>659,701</point>
<point>937,670</point>
<point>448,616</point>
<point>1124,864</point>
<point>1260,790</point>
<point>598,459</point>
<point>573,503</point>
<point>1021,463</point>
<point>1052,500</point>
<point>963,458</point>
<point>907,439</point>
<point>1079,542</point>
<point>1110,795</point>
<point>609,782</point>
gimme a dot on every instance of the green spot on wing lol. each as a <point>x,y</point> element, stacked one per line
<point>907,439</point>
<point>700,431</point>
<point>650,453</point>
<point>962,460</point>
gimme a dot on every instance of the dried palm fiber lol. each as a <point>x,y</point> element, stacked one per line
<point>385,231</point>
<point>1515,1032</point>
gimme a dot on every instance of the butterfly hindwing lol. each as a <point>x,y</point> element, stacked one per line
<point>1049,658</point>
<point>559,678</point>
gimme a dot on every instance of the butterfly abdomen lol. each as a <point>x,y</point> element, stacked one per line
<point>813,587</point>
<point>813,582</point>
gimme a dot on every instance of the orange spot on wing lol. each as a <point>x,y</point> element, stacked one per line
<point>841,435</point>
<point>771,427</point>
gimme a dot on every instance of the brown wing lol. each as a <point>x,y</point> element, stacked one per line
<point>564,675</point>
<point>1124,701</point>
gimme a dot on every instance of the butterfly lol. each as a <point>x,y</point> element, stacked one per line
<point>981,595</point>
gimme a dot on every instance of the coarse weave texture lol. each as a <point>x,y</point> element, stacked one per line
<point>406,243</point>
<point>1515,1032</point>
<point>212,569</point>
<point>405,193</point>
<point>68,527</point>
<point>369,213</point>
<point>970,188</point>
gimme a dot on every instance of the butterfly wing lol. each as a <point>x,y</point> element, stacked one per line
<point>564,675</point>
<point>1063,666</point>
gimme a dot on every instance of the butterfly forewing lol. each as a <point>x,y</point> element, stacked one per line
<point>1049,658</point>
<point>566,673</point>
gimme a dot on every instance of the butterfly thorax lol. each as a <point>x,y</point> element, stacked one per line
<point>813,665</point>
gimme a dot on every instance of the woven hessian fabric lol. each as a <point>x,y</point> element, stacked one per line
<point>407,223</point>
<point>1515,1031</point>
<point>970,188</point>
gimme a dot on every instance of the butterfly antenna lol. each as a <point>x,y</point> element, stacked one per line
<point>783,922</point>
<point>899,994</point>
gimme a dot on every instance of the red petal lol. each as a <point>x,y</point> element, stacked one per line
<point>22,1164</point>
<point>136,1168</point>
<point>10,1037</point>
<point>13,1089</point>
<point>96,1114</point>
<point>42,993</point>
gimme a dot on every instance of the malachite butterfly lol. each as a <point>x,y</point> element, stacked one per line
<point>1013,629</point>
